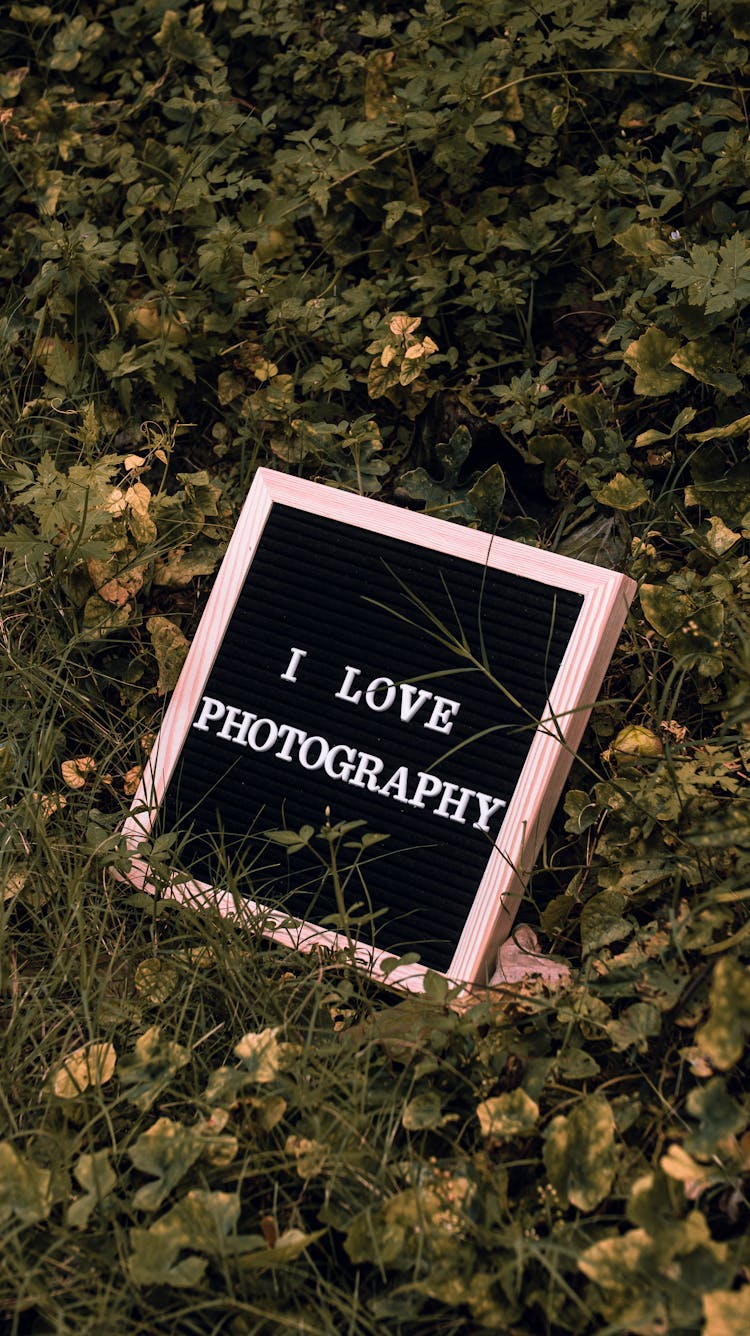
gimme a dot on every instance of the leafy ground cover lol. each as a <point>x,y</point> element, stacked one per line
<point>483,259</point>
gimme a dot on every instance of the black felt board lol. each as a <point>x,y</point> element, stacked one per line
<point>309,586</point>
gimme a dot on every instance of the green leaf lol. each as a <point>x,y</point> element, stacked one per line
<point>732,280</point>
<point>720,1117</point>
<point>511,1114</point>
<point>580,1153</point>
<point>167,1150</point>
<point>69,42</point>
<point>96,1176</point>
<point>453,453</point>
<point>202,1222</point>
<point>292,1243</point>
<point>698,642</point>
<point>703,360</point>
<point>737,427</point>
<point>622,493</point>
<point>291,840</point>
<point>24,1187</point>
<point>487,496</point>
<point>602,921</point>
<point>184,564</point>
<point>693,633</point>
<point>423,1111</point>
<point>643,243</point>
<point>550,449</point>
<point>59,360</point>
<point>151,1066</point>
<point>724,1035</point>
<point>650,437</point>
<point>576,1064</point>
<point>650,356</point>
<point>694,275</point>
<point>635,1027</point>
<point>651,1203</point>
<point>438,499</point>
<point>664,607</point>
<point>580,810</point>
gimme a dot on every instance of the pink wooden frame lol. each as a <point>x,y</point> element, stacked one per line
<point>606,597</point>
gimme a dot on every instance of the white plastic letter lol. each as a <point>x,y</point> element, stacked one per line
<point>368,769</point>
<point>273,733</point>
<point>212,709</point>
<point>487,808</point>
<point>239,720</point>
<point>428,787</point>
<point>290,736</point>
<point>291,673</point>
<point>440,720</point>
<point>304,753</point>
<point>398,781</point>
<point>449,800</point>
<point>344,771</point>
<point>344,690</point>
<point>388,699</point>
<point>412,700</point>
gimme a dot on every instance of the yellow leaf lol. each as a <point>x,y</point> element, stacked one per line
<point>378,99</point>
<point>10,82</point>
<point>131,780</point>
<point>150,322</point>
<point>262,1054</point>
<point>116,502</point>
<point>91,1064</point>
<point>310,1155</point>
<point>622,493</point>
<point>724,1035</point>
<point>75,773</point>
<point>634,740</point>
<point>401,325</point>
<point>170,648</point>
<point>13,885</point>
<point>138,499</point>
<point>155,980</point>
<point>228,386</point>
<point>51,803</point>
<point>265,370</point>
<point>96,1176</point>
<point>183,564</point>
<point>727,1312</point>
<point>25,1188</point>
<point>512,1114</point>
<point>720,537</point>
<point>116,587</point>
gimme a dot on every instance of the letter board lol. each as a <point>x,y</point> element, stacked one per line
<point>360,662</point>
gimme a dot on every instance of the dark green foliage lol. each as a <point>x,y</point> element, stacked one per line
<point>482,259</point>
